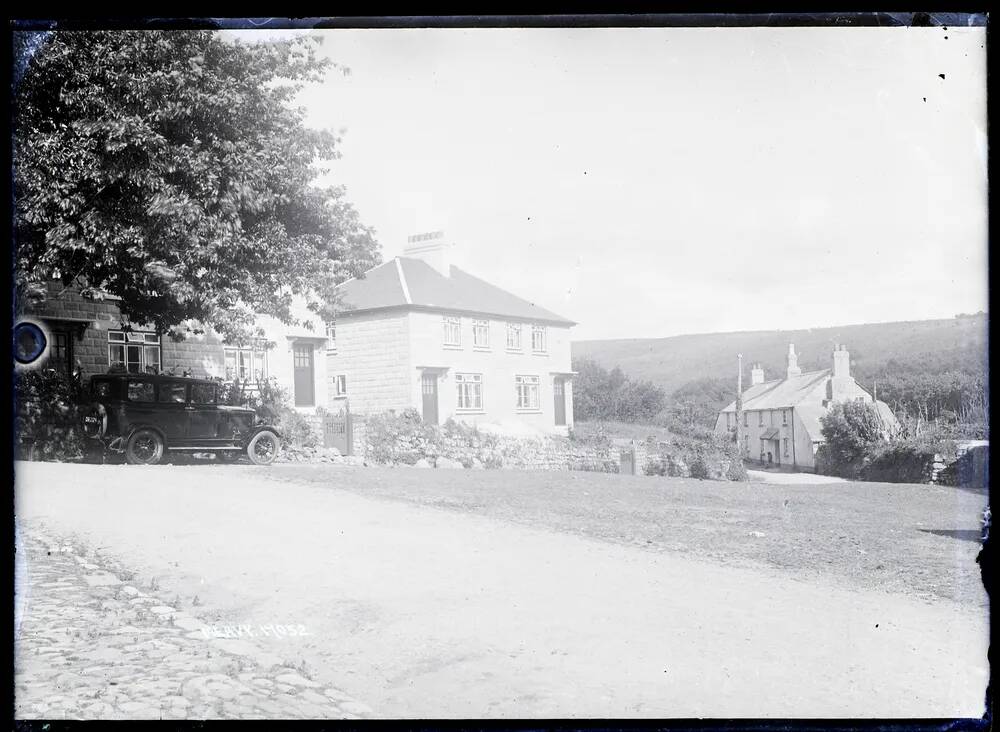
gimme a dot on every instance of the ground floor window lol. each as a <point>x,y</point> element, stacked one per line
<point>137,352</point>
<point>470,391</point>
<point>246,364</point>
<point>786,447</point>
<point>527,392</point>
<point>340,386</point>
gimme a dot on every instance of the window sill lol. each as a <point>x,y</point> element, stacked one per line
<point>341,397</point>
<point>470,411</point>
<point>452,347</point>
<point>482,349</point>
<point>539,353</point>
<point>529,411</point>
<point>515,350</point>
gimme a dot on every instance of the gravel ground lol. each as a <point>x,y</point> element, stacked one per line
<point>422,611</point>
<point>917,539</point>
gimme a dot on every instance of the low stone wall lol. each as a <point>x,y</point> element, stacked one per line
<point>406,440</point>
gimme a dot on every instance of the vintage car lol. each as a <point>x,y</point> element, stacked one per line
<point>145,415</point>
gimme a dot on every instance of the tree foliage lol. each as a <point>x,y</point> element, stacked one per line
<point>611,395</point>
<point>171,169</point>
<point>851,431</point>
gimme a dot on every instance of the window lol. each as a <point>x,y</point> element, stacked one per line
<point>470,391</point>
<point>135,352</point>
<point>246,364</point>
<point>538,338</point>
<point>60,355</point>
<point>746,444</point>
<point>203,394</point>
<point>746,420</point>
<point>340,386</point>
<point>729,420</point>
<point>784,418</point>
<point>527,392</point>
<point>452,331</point>
<point>173,392</point>
<point>331,335</point>
<point>101,389</point>
<point>760,419</point>
<point>481,334</point>
<point>514,336</point>
<point>140,391</point>
<point>786,447</point>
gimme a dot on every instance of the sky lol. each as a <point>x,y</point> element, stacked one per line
<point>662,181</point>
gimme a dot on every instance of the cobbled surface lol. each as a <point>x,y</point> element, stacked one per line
<point>91,646</point>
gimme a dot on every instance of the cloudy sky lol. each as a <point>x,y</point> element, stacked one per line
<point>654,182</point>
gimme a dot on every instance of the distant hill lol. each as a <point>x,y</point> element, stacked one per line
<point>955,344</point>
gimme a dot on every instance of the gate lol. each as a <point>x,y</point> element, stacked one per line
<point>338,431</point>
<point>627,460</point>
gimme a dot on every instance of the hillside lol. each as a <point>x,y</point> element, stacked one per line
<point>960,343</point>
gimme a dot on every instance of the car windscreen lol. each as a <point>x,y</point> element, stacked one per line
<point>101,389</point>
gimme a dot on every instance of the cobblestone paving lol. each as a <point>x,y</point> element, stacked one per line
<point>91,646</point>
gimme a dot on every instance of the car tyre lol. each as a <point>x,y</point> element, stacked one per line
<point>145,447</point>
<point>263,448</point>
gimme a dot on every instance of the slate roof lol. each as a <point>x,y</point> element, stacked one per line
<point>405,282</point>
<point>780,393</point>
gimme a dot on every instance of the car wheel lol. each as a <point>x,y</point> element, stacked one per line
<point>263,448</point>
<point>95,421</point>
<point>228,456</point>
<point>145,447</point>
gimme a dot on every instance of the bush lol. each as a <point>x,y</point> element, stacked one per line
<point>851,432</point>
<point>900,462</point>
<point>48,406</point>
<point>272,404</point>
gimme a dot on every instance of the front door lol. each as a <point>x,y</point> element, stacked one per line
<point>429,389</point>
<point>305,380</point>
<point>559,392</point>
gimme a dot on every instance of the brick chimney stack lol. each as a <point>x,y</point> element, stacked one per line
<point>432,248</point>
<point>756,375</point>
<point>840,378</point>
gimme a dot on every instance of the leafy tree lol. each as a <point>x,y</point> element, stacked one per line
<point>851,431</point>
<point>611,395</point>
<point>170,169</point>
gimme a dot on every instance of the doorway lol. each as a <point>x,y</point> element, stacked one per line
<point>429,392</point>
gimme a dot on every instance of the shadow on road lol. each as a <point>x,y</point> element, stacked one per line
<point>960,534</point>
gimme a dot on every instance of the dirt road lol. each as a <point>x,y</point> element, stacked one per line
<point>420,612</point>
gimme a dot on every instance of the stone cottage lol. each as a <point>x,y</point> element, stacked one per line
<point>781,417</point>
<point>418,332</point>
<point>87,335</point>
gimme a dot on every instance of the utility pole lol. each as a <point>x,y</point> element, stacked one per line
<point>739,404</point>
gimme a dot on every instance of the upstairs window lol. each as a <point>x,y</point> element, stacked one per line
<point>481,333</point>
<point>760,419</point>
<point>784,416</point>
<point>538,338</point>
<point>452,331</point>
<point>514,336</point>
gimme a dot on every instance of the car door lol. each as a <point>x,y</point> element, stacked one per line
<point>203,414</point>
<point>171,410</point>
